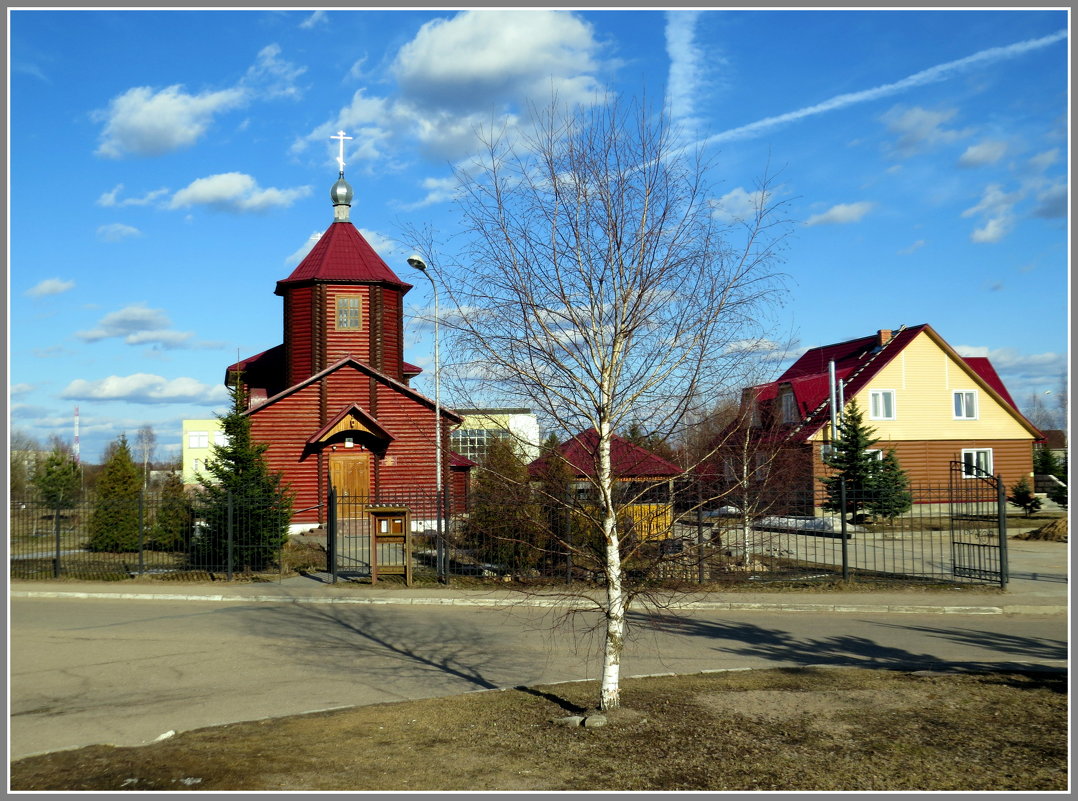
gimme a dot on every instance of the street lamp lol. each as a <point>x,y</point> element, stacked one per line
<point>415,261</point>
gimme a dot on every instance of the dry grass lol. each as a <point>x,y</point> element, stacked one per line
<point>793,729</point>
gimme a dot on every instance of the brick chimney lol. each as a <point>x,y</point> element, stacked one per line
<point>883,336</point>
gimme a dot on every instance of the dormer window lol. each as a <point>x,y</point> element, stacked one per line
<point>348,316</point>
<point>789,407</point>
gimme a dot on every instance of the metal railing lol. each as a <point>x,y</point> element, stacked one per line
<point>941,538</point>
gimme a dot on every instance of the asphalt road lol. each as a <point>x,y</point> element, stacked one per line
<point>124,672</point>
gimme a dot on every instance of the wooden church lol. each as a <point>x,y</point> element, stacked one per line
<point>333,401</point>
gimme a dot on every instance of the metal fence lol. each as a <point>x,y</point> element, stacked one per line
<point>952,534</point>
<point>146,534</point>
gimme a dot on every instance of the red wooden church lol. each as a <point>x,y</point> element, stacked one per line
<point>333,401</point>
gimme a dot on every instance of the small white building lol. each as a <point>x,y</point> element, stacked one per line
<point>483,426</point>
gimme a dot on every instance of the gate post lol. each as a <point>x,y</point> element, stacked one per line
<point>331,533</point>
<point>141,535</point>
<point>843,534</point>
<point>56,529</point>
<point>229,535</point>
<point>1001,514</point>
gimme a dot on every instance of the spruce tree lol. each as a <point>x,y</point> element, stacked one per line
<point>115,520</point>
<point>261,505</point>
<point>57,479</point>
<point>1023,497</point>
<point>849,459</point>
<point>175,516</point>
<point>890,495</point>
<point>504,524</point>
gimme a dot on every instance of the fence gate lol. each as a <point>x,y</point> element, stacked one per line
<point>365,538</point>
<point>978,524</point>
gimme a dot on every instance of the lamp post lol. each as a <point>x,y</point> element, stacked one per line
<point>415,261</point>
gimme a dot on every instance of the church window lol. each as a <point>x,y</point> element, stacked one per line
<point>348,318</point>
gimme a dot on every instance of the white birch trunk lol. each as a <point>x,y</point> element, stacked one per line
<point>610,688</point>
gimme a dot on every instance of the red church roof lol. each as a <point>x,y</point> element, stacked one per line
<point>627,460</point>
<point>342,254</point>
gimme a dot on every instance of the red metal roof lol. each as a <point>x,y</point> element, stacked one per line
<point>982,367</point>
<point>857,361</point>
<point>627,460</point>
<point>342,254</point>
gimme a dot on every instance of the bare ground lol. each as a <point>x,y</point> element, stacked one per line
<point>794,729</point>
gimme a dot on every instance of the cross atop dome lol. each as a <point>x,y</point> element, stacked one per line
<point>341,192</point>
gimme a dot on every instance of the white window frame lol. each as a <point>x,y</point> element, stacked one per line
<point>974,403</point>
<point>875,398</point>
<point>876,453</point>
<point>198,439</point>
<point>789,408</point>
<point>220,438</point>
<point>988,466</point>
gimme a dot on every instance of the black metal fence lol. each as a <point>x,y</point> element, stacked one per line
<point>146,534</point>
<point>666,539</point>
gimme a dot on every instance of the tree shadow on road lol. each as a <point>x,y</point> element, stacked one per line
<point>366,640</point>
<point>775,645</point>
<point>1000,642</point>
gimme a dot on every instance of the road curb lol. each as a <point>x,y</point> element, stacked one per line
<point>722,606</point>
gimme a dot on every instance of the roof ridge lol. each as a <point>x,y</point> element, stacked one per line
<point>846,381</point>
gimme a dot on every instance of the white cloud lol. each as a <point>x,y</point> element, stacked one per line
<point>50,286</point>
<point>998,207</point>
<point>515,57</point>
<point>737,205</point>
<point>272,76</point>
<point>144,388</point>
<point>841,214</point>
<point>1052,203</point>
<point>111,198</point>
<point>128,320</point>
<point>301,252</point>
<point>142,122</point>
<point>21,389</point>
<point>920,243</point>
<point>140,325</point>
<point>1042,161</point>
<point>686,67</point>
<point>919,129</point>
<point>1022,373</point>
<point>234,192</point>
<point>116,232</point>
<point>383,245</point>
<point>983,153</point>
<point>317,18</point>
<point>512,56</point>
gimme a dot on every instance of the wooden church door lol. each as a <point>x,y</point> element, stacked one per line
<point>350,474</point>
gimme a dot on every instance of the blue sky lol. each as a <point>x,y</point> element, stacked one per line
<point>168,167</point>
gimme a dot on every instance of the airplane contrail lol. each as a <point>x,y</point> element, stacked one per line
<point>930,75</point>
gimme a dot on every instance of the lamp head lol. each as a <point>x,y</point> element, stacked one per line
<point>418,263</point>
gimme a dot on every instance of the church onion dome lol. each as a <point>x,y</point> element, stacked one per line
<point>341,193</point>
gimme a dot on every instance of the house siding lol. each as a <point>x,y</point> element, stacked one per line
<point>927,463</point>
<point>923,377</point>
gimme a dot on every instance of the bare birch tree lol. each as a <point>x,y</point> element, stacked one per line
<point>600,289</point>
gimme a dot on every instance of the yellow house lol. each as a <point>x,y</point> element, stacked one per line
<point>198,438</point>
<point>926,403</point>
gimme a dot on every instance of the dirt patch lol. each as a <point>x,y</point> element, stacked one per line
<point>1056,531</point>
<point>835,729</point>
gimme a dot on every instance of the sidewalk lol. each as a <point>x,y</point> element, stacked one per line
<point>1038,586</point>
